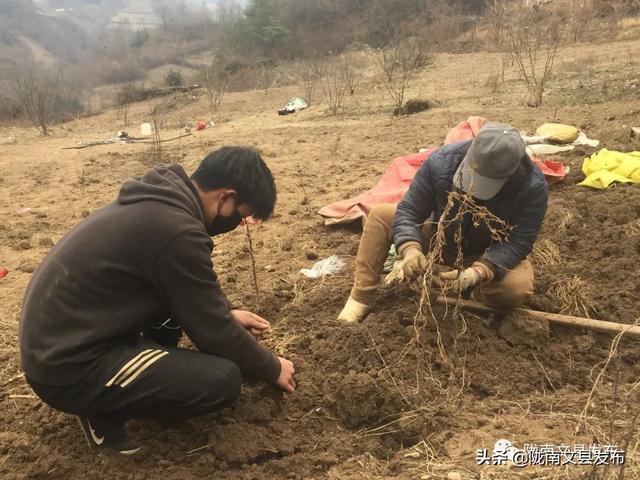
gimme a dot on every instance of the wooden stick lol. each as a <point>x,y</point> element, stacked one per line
<point>92,144</point>
<point>164,141</point>
<point>131,140</point>
<point>566,320</point>
<point>199,448</point>
<point>247,233</point>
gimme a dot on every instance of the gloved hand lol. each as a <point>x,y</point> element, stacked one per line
<point>396,275</point>
<point>413,264</point>
<point>468,278</point>
<point>460,281</point>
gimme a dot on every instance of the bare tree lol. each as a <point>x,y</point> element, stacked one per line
<point>37,91</point>
<point>616,11</point>
<point>312,72</point>
<point>334,86</point>
<point>588,18</point>
<point>125,95</point>
<point>157,112</point>
<point>534,44</point>
<point>397,65</point>
<point>265,75</point>
<point>214,82</point>
<point>123,113</point>
<point>351,74</point>
<point>497,19</point>
<point>583,14</point>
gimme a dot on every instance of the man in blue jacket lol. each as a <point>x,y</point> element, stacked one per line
<point>496,171</point>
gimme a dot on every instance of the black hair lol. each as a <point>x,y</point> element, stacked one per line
<point>242,169</point>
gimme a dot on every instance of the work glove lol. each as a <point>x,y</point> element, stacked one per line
<point>395,275</point>
<point>467,279</point>
<point>413,264</point>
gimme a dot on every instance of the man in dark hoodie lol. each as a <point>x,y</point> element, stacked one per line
<point>103,313</point>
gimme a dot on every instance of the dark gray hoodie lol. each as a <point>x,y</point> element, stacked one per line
<point>142,259</point>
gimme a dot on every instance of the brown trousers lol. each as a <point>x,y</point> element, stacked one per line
<point>505,294</point>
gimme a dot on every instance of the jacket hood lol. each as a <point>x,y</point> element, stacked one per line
<point>169,185</point>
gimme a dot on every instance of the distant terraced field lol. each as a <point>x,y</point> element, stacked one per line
<point>136,14</point>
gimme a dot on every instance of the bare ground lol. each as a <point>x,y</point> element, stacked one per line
<point>373,401</point>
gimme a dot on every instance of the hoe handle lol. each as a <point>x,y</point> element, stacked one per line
<point>566,320</point>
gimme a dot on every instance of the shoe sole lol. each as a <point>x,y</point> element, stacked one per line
<point>129,452</point>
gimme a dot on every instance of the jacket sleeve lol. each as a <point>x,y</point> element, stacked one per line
<point>414,209</point>
<point>184,274</point>
<point>527,223</point>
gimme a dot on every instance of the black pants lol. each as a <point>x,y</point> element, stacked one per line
<point>148,380</point>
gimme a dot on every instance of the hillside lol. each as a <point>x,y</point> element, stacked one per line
<point>28,34</point>
<point>74,32</point>
<point>375,400</point>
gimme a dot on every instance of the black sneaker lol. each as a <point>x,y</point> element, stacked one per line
<point>107,433</point>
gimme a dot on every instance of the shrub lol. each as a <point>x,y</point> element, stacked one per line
<point>174,78</point>
<point>141,37</point>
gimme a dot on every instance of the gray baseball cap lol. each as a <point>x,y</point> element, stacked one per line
<point>494,155</point>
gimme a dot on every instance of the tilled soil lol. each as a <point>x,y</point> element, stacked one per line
<point>374,400</point>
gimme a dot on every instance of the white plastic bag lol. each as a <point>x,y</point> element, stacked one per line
<point>329,266</point>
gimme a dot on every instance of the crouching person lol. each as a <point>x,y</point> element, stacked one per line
<point>496,171</point>
<point>105,310</point>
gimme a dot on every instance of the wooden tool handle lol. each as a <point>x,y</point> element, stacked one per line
<point>567,320</point>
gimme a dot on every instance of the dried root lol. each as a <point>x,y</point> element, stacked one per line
<point>572,298</point>
<point>454,326</point>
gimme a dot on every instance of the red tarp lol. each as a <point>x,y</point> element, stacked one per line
<point>396,179</point>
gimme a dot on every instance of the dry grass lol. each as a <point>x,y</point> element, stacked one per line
<point>369,467</point>
<point>564,219</point>
<point>393,424</point>
<point>279,338</point>
<point>615,421</point>
<point>423,462</point>
<point>613,350</point>
<point>571,297</point>
<point>632,228</point>
<point>280,341</point>
<point>545,252</point>
<point>303,287</point>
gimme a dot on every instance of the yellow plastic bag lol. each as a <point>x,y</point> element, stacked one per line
<point>557,132</point>
<point>606,167</point>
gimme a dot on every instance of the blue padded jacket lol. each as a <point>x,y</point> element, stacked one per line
<point>522,206</point>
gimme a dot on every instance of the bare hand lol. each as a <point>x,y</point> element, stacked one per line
<point>256,325</point>
<point>286,379</point>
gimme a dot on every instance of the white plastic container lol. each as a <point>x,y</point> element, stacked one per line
<point>145,129</point>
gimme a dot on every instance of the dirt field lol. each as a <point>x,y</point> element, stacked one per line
<point>372,402</point>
